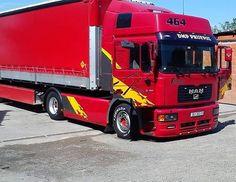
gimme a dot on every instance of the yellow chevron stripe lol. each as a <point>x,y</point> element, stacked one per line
<point>225,87</point>
<point>79,110</point>
<point>127,92</point>
<point>108,55</point>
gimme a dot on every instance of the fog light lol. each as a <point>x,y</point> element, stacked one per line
<point>170,127</point>
<point>167,117</point>
<point>216,111</point>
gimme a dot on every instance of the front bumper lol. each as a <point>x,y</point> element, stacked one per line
<point>185,125</point>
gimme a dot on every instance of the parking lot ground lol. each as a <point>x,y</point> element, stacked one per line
<point>34,148</point>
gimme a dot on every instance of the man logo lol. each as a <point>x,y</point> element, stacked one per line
<point>196,91</point>
<point>195,96</point>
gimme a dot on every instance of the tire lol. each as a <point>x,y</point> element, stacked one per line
<point>54,106</point>
<point>124,122</point>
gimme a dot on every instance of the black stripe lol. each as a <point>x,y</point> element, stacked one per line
<point>106,73</point>
<point>37,7</point>
<point>66,105</point>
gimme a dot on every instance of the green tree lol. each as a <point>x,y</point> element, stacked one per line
<point>215,29</point>
<point>226,26</point>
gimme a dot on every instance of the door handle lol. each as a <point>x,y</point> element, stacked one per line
<point>147,81</point>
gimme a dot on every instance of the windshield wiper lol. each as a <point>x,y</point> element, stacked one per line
<point>210,71</point>
<point>178,71</point>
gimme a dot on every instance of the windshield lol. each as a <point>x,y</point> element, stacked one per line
<point>184,57</point>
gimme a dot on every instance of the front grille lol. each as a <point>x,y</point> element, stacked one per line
<point>187,125</point>
<point>194,94</point>
<point>203,122</point>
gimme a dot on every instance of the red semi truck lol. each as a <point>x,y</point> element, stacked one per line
<point>129,66</point>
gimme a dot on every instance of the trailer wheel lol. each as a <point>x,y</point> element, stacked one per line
<point>54,106</point>
<point>124,122</point>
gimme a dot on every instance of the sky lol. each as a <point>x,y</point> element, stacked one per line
<point>215,11</point>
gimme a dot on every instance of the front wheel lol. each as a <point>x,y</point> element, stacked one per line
<point>124,122</point>
<point>54,106</point>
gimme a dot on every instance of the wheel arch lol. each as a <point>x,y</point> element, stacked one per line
<point>51,89</point>
<point>114,103</point>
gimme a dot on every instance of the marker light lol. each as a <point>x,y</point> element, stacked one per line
<point>216,111</point>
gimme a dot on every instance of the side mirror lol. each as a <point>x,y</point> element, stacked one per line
<point>152,53</point>
<point>228,54</point>
<point>153,48</point>
<point>127,44</point>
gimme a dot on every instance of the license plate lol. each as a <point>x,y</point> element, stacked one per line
<point>197,114</point>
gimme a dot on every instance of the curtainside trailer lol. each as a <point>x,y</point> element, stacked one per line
<point>129,66</point>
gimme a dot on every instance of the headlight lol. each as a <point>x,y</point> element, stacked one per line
<point>216,111</point>
<point>167,117</point>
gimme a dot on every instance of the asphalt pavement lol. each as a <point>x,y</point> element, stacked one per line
<point>34,148</point>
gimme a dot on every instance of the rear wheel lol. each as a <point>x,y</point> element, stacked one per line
<point>54,106</point>
<point>124,122</point>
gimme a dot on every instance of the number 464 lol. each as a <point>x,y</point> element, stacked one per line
<point>176,21</point>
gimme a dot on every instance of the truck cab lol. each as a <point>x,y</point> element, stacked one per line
<point>166,64</point>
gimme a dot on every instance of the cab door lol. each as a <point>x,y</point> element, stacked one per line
<point>224,55</point>
<point>134,71</point>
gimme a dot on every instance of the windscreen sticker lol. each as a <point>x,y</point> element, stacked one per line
<point>186,37</point>
<point>193,37</point>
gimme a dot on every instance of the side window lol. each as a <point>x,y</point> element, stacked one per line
<point>133,56</point>
<point>124,20</point>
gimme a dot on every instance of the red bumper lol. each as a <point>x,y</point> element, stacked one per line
<point>185,125</point>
